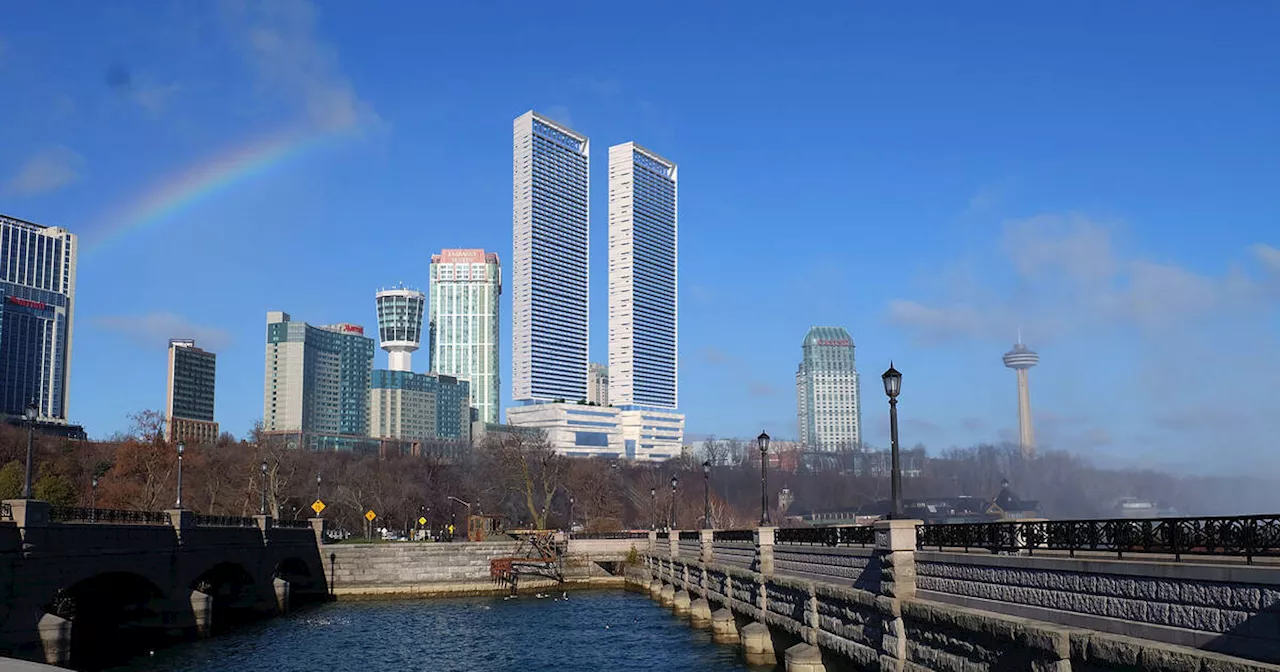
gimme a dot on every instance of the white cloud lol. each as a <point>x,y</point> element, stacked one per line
<point>1268,256</point>
<point>280,42</point>
<point>1069,277</point>
<point>155,329</point>
<point>153,97</point>
<point>560,114</point>
<point>46,170</point>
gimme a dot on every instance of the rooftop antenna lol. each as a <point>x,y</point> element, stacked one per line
<point>1019,334</point>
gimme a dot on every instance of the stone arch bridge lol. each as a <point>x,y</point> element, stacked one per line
<point>79,584</point>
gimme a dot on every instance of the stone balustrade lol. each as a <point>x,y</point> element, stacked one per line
<point>813,606</point>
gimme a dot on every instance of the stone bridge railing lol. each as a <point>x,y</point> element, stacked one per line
<point>868,596</point>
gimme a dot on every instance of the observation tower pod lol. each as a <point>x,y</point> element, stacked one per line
<point>400,325</point>
<point>1021,359</point>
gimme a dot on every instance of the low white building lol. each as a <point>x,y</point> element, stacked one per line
<point>650,434</point>
<point>580,430</point>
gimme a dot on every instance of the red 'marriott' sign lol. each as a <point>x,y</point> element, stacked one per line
<point>26,303</point>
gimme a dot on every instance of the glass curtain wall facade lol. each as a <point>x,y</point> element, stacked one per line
<point>407,405</point>
<point>828,403</point>
<point>37,300</point>
<point>466,287</point>
<point>317,381</point>
<point>550,195</point>
<point>642,278</point>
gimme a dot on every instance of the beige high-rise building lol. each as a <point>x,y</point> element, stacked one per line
<point>598,384</point>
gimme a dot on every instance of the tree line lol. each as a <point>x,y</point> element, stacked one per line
<point>523,480</point>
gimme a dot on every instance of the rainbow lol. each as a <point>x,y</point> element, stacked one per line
<point>203,181</point>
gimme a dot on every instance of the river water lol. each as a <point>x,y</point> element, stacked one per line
<point>589,632</point>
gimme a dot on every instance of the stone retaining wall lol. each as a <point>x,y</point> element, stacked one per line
<point>409,567</point>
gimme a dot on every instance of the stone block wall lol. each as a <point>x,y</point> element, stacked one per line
<point>1233,609</point>
<point>855,567</point>
<point>411,567</point>
<point>736,553</point>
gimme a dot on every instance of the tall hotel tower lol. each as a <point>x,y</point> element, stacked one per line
<point>642,300</point>
<point>37,302</point>
<point>1021,359</point>
<point>828,402</point>
<point>549,264</point>
<point>316,387</point>
<point>466,286</point>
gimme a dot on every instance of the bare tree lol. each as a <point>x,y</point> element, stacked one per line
<point>529,468</point>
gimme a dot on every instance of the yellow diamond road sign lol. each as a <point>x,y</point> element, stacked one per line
<point>422,521</point>
<point>370,515</point>
<point>318,506</point>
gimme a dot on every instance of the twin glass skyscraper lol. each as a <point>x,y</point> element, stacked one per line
<point>642,278</point>
<point>551,190</point>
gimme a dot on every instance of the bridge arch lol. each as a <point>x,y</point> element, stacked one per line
<point>237,596</point>
<point>114,616</point>
<point>305,582</point>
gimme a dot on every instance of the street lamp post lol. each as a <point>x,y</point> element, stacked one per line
<point>675,483</point>
<point>653,508</point>
<point>892,386</point>
<point>30,414</point>
<point>181,448</point>
<point>93,500</point>
<point>317,487</point>
<point>763,442</point>
<point>706,495</point>
<point>263,509</point>
<point>571,515</point>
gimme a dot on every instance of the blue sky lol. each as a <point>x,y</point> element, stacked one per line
<point>931,177</point>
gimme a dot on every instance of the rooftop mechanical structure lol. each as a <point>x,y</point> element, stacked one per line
<point>400,325</point>
<point>1021,359</point>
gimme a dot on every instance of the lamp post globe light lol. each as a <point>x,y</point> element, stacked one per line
<point>182,447</point>
<point>30,414</point>
<point>675,483</point>
<point>262,510</point>
<point>763,442</point>
<point>653,508</point>
<point>706,495</point>
<point>892,386</point>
